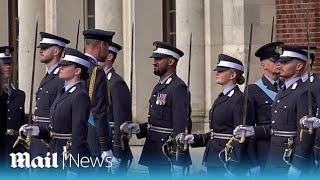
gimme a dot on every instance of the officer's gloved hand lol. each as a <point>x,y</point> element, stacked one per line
<point>249,131</point>
<point>255,171</point>
<point>293,173</point>
<point>130,127</point>
<point>177,170</point>
<point>310,122</point>
<point>115,165</point>
<point>26,129</point>
<point>189,138</point>
<point>106,154</point>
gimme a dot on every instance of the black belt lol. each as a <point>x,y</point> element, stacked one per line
<point>40,119</point>
<point>11,132</point>
<point>160,129</point>
<point>283,133</point>
<point>55,135</point>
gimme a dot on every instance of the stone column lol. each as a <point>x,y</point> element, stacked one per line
<point>190,19</point>
<point>29,12</point>
<point>213,47</point>
<point>108,16</point>
<point>60,22</point>
<point>260,13</point>
<point>4,38</point>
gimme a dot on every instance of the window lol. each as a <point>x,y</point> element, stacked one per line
<point>89,11</point>
<point>169,21</point>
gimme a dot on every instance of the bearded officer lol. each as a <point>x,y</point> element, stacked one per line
<point>168,111</point>
<point>119,111</point>
<point>51,48</point>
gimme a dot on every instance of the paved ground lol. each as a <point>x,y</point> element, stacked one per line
<point>196,155</point>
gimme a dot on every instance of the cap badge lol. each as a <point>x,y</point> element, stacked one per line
<point>7,52</point>
<point>155,47</point>
<point>278,50</point>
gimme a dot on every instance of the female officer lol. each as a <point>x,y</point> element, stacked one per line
<point>226,113</point>
<point>70,111</point>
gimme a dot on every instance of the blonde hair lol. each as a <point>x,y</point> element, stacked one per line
<point>239,79</point>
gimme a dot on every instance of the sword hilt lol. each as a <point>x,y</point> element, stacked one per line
<point>185,144</point>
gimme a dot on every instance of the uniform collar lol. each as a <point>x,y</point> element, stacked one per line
<point>304,78</point>
<point>68,86</point>
<point>108,70</point>
<point>228,89</point>
<point>271,80</point>
<point>165,79</point>
<point>52,68</point>
<point>92,57</point>
<point>291,81</point>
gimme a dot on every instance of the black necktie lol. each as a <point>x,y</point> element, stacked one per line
<point>275,84</point>
<point>47,74</point>
<point>284,87</point>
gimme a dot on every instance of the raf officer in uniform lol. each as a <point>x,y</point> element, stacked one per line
<point>3,121</point>
<point>119,111</point>
<point>97,48</point>
<point>260,98</point>
<point>50,51</point>
<point>225,114</point>
<point>16,100</point>
<point>289,106</point>
<point>315,92</point>
<point>69,113</point>
<point>168,115</point>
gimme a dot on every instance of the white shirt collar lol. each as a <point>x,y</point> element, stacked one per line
<point>227,89</point>
<point>304,78</point>
<point>271,80</point>
<point>68,86</point>
<point>52,68</point>
<point>95,60</point>
<point>291,81</point>
<point>108,70</point>
<point>165,79</point>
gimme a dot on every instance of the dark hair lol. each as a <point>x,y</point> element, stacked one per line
<point>84,72</point>
<point>114,56</point>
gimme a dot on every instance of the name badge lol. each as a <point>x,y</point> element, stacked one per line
<point>161,99</point>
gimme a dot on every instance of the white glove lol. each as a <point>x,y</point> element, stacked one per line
<point>249,131</point>
<point>130,127</point>
<point>115,165</point>
<point>189,138</point>
<point>177,170</point>
<point>26,129</point>
<point>293,173</point>
<point>310,122</point>
<point>106,155</point>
